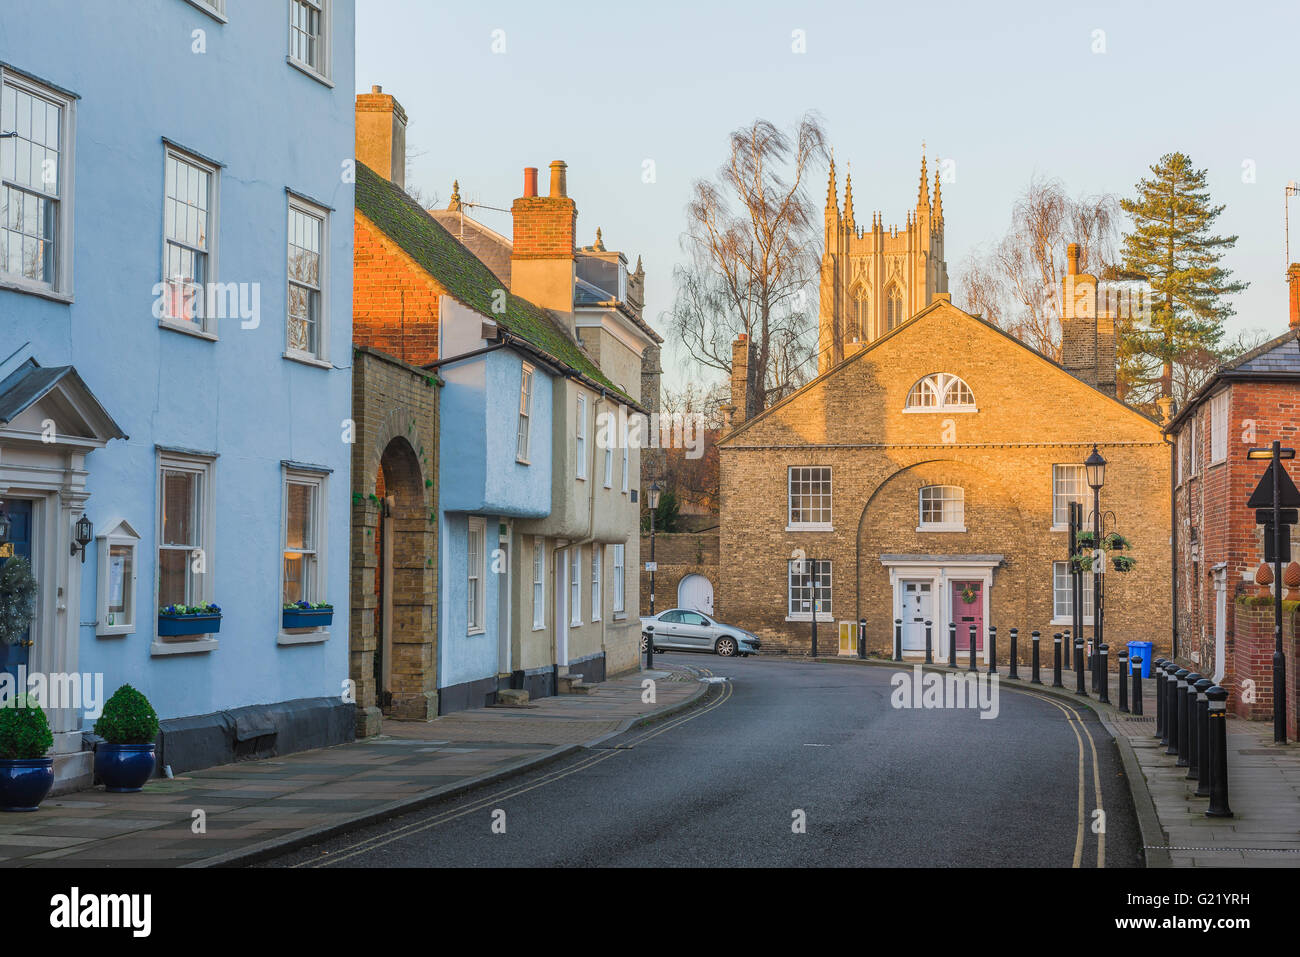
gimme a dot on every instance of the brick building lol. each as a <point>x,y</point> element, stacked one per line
<point>1247,403</point>
<point>928,477</point>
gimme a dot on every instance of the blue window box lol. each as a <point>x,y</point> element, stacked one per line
<point>178,626</point>
<point>308,618</point>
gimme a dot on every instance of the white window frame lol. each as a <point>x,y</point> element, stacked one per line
<point>1061,498</point>
<point>306,207</point>
<point>206,326</point>
<point>1194,459</point>
<point>620,581</point>
<point>318,590</point>
<point>322,72</point>
<point>597,558</point>
<point>938,385</point>
<point>1180,455</point>
<point>1061,573</point>
<point>523,437</point>
<point>944,498</point>
<point>575,586</point>
<point>203,466</point>
<point>475,573</point>
<point>539,583</point>
<point>609,466</point>
<point>119,535</point>
<point>216,9</point>
<point>1219,427</point>
<point>796,577</point>
<point>580,435</point>
<point>804,526</point>
<point>64,218</point>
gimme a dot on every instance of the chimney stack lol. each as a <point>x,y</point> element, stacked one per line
<point>542,266</point>
<point>740,380</point>
<point>1088,350</point>
<point>1293,280</point>
<point>381,135</point>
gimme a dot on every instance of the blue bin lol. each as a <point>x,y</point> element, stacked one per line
<point>1142,649</point>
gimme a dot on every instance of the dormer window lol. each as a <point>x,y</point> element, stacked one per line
<point>941,392</point>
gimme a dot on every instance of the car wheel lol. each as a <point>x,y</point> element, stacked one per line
<point>726,647</point>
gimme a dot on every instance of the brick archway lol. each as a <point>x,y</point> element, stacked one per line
<point>393,639</point>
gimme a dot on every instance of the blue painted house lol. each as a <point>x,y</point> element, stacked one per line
<point>175,346</point>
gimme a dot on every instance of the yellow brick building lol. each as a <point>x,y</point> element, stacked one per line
<point>928,476</point>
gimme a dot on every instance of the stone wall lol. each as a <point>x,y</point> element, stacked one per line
<point>678,554</point>
<point>1252,664</point>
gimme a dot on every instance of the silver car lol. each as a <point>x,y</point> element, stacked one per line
<point>681,629</point>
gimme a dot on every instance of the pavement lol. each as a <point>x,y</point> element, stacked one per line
<point>1263,785</point>
<point>239,812</point>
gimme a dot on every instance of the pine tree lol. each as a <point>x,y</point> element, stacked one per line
<point>1171,247</point>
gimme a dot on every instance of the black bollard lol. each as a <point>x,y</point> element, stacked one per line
<point>929,657</point>
<point>1177,715</point>
<point>1157,671</point>
<point>1035,678</point>
<point>1136,665</point>
<point>862,638</point>
<point>1218,738</point>
<point>1166,682</point>
<point>1203,737</point>
<point>993,649</point>
<point>1193,749</point>
<point>1056,661</point>
<point>1103,672</point>
<point>952,645</point>
<point>1014,674</point>
<point>1078,668</point>
<point>898,639</point>
<point>1122,679</point>
<point>1185,696</point>
<point>972,650</point>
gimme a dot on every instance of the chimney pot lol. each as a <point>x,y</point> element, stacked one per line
<point>558,185</point>
<point>530,180</point>
<point>376,89</point>
<point>1293,279</point>
<point>1072,258</point>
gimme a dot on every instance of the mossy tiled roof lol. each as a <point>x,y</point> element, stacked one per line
<point>463,274</point>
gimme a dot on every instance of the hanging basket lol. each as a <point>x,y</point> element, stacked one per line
<point>1123,563</point>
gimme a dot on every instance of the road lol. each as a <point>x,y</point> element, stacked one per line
<point>791,763</point>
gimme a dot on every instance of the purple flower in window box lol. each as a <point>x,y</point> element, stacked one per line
<point>304,614</point>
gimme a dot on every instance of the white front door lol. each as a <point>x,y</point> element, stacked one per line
<point>695,593</point>
<point>918,608</point>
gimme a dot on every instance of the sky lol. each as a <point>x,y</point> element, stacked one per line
<point>1090,93</point>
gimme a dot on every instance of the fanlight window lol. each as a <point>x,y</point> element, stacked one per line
<point>941,392</point>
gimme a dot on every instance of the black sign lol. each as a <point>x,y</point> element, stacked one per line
<point>1262,497</point>
<point>1264,516</point>
<point>1268,544</point>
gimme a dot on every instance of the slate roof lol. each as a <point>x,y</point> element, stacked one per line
<point>1276,359</point>
<point>30,382</point>
<point>466,277</point>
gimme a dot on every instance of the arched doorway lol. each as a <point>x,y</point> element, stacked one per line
<point>695,592</point>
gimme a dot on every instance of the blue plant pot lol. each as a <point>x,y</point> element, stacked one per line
<point>24,784</point>
<point>304,618</point>
<point>124,768</point>
<point>175,626</point>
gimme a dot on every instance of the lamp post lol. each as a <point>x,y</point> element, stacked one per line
<point>652,500</point>
<point>1094,467</point>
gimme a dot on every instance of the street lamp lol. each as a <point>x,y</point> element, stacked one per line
<point>83,535</point>
<point>1094,467</point>
<point>652,500</point>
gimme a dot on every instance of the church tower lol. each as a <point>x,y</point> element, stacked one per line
<point>873,278</point>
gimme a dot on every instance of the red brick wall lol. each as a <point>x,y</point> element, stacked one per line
<point>394,301</point>
<point>1254,662</point>
<point>544,227</point>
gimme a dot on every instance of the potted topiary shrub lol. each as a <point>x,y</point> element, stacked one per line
<point>175,621</point>
<point>26,774</point>
<point>303,614</point>
<point>125,760</point>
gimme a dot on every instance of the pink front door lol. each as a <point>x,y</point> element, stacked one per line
<point>966,613</point>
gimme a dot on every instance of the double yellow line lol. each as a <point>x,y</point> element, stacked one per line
<point>1076,724</point>
<point>478,804</point>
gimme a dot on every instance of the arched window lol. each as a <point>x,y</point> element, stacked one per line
<point>859,313</point>
<point>941,392</point>
<point>943,509</point>
<point>894,315</point>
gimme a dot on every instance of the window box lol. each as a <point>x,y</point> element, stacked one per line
<point>302,615</point>
<point>179,621</point>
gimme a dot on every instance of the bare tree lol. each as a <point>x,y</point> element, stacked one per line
<point>752,241</point>
<point>1142,376</point>
<point>1017,282</point>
